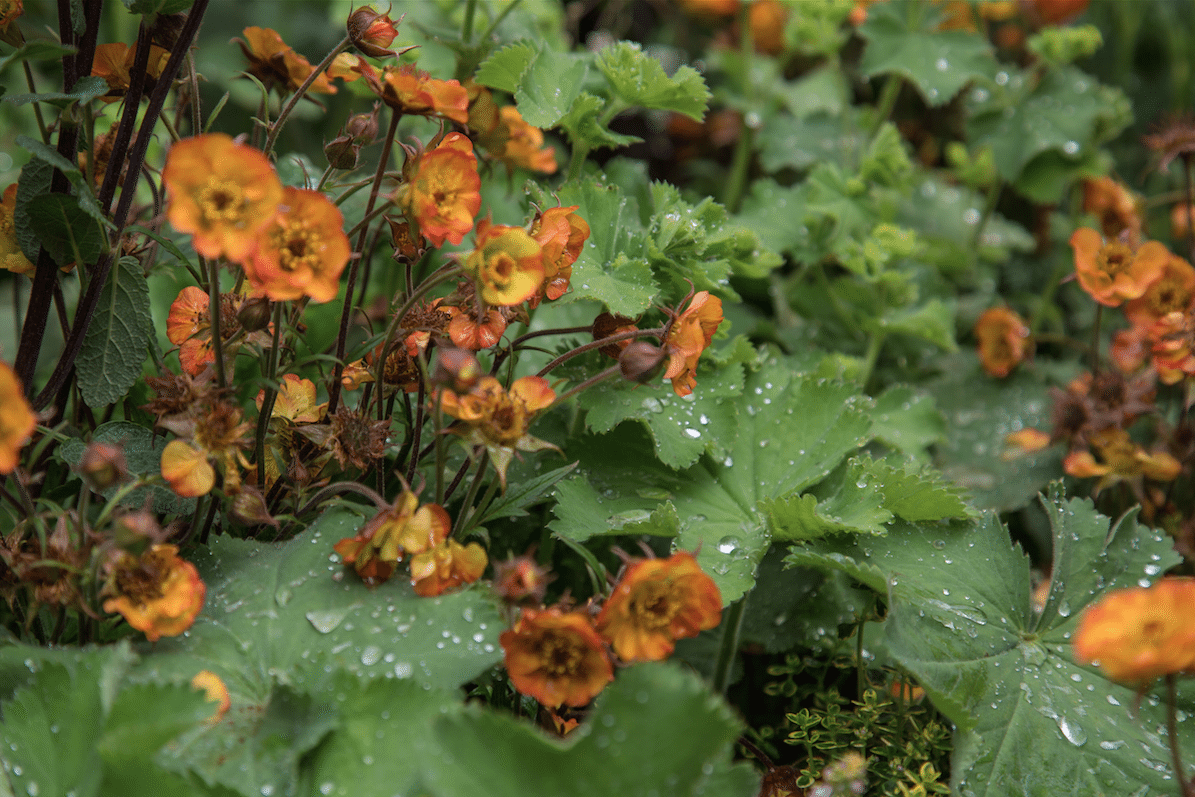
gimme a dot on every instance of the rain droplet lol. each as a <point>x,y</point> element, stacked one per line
<point>371,655</point>
<point>1073,732</point>
<point>326,620</point>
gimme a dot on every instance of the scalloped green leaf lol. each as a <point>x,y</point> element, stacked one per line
<point>1030,720</point>
<point>503,68</point>
<point>119,336</point>
<point>907,420</point>
<point>585,128</point>
<point>938,63</point>
<point>792,432</point>
<point>545,83</point>
<point>681,428</point>
<point>143,455</point>
<point>844,502</point>
<point>617,748</point>
<point>916,494</point>
<point>639,80</point>
<point>946,216</point>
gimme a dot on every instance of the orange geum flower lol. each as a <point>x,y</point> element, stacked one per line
<point>689,334</point>
<point>302,251</point>
<point>1173,291</point>
<point>221,192</point>
<point>498,420</point>
<point>655,603</point>
<point>404,528</point>
<point>158,593</point>
<point>1118,209</point>
<point>1003,340</point>
<point>447,566</point>
<point>412,91</point>
<point>1024,441</point>
<point>562,235</point>
<point>1120,459</point>
<point>189,326</point>
<point>1113,272</point>
<point>17,420</point>
<point>556,657</point>
<point>11,257</point>
<point>371,32</point>
<point>113,63</point>
<point>524,145</point>
<point>215,691</point>
<point>467,332</point>
<point>187,469</point>
<point>442,195</point>
<point>767,19</point>
<point>1136,635</point>
<point>507,264</point>
<point>276,64</point>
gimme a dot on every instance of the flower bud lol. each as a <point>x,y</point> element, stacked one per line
<point>371,32</point>
<point>457,369</point>
<point>363,127</point>
<point>254,314</point>
<point>641,362</point>
<point>607,324</point>
<point>407,247</point>
<point>249,508</point>
<point>103,466</point>
<point>342,153</point>
<point>520,580</point>
<point>134,532</point>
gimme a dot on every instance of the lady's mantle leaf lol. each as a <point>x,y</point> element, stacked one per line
<point>639,80</point>
<point>1031,720</point>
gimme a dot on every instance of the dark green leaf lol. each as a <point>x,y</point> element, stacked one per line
<point>35,181</point>
<point>514,501</point>
<point>118,338</point>
<point>87,88</point>
<point>157,6</point>
<point>143,454</point>
<point>83,190</point>
<point>36,50</point>
<point>69,234</point>
<point>907,420</point>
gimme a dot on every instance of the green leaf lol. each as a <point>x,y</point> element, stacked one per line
<point>945,217</point>
<point>1030,719</point>
<point>792,432</point>
<point>157,6</point>
<point>37,50</point>
<point>585,129</point>
<point>83,190</point>
<point>514,501</point>
<point>932,321</point>
<point>820,91</point>
<point>788,141</point>
<point>143,455</point>
<point>907,420</point>
<point>618,749</point>
<point>613,267</point>
<point>504,68</point>
<point>915,494</point>
<point>841,504</point>
<point>639,80</point>
<point>35,181</point>
<point>273,609</point>
<point>682,429</point>
<point>938,63</point>
<point>143,719</point>
<point>545,83</point>
<point>86,88</point>
<point>68,232</point>
<point>118,338</point>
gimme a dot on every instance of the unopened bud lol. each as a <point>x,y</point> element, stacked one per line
<point>457,369</point>
<point>520,580</point>
<point>103,465</point>
<point>371,32</point>
<point>134,532</point>
<point>342,153</point>
<point>254,314</point>
<point>249,508</point>
<point>606,325</point>
<point>407,247</point>
<point>641,361</point>
<point>363,127</point>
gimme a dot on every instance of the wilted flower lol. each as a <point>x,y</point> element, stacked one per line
<point>497,420</point>
<point>1174,139</point>
<point>655,603</point>
<point>1120,459</point>
<point>294,404</point>
<point>276,64</point>
<point>17,420</point>
<point>302,251</point>
<point>221,192</point>
<point>352,438</point>
<point>556,657</point>
<point>158,593</point>
<point>10,32</point>
<point>1112,272</point>
<point>507,264</point>
<point>189,326</point>
<point>467,332</point>
<point>447,566</point>
<point>520,579</point>
<point>103,465</point>
<point>442,194</point>
<point>11,257</point>
<point>404,528</point>
<point>689,333</point>
<point>1003,340</point>
<point>1136,635</point>
<point>562,235</point>
<point>216,436</point>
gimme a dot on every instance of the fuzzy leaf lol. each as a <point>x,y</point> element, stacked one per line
<point>86,88</point>
<point>37,50</point>
<point>118,338</point>
<point>35,181</point>
<point>639,80</point>
<point>932,321</point>
<point>84,192</point>
<point>143,454</point>
<point>68,233</point>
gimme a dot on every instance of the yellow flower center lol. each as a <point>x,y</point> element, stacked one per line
<point>1168,297</point>
<point>298,246</point>
<point>1115,258</point>
<point>560,656</point>
<point>653,606</point>
<point>221,201</point>
<point>500,269</point>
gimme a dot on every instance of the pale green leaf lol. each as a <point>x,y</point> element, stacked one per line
<point>640,80</point>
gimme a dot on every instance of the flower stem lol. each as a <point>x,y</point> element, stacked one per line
<point>285,112</point>
<point>597,344</point>
<point>1184,783</point>
<point>591,381</point>
<point>270,394</point>
<point>213,308</point>
<point>732,625</point>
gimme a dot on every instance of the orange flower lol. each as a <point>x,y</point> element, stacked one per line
<point>1024,441</point>
<point>1136,635</point>
<point>187,469</point>
<point>412,91</point>
<point>1052,12</point>
<point>524,146</point>
<point>11,257</point>
<point>215,691</point>
<point>401,529</point>
<point>157,592</point>
<point>442,195</point>
<point>507,264</point>
<point>688,336</point>
<point>1173,291</point>
<point>1120,459</point>
<point>466,332</point>
<point>1173,347</point>
<point>767,19</point>
<point>556,657</point>
<point>113,61</point>
<point>710,8</point>
<point>216,434</point>
<point>17,420</point>
<point>1003,340</point>
<point>1118,208</point>
<point>189,326</point>
<point>371,32</point>
<point>10,32</point>
<point>276,64</point>
<point>303,250</point>
<point>562,235</point>
<point>1113,272</point>
<point>447,566</point>
<point>656,602</point>
<point>1128,350</point>
<point>221,192</point>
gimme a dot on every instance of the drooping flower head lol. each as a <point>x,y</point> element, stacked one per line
<point>507,264</point>
<point>1139,634</point>
<point>212,437</point>
<point>157,593</point>
<point>655,603</point>
<point>371,32</point>
<point>221,192</point>
<point>562,235</point>
<point>1003,340</point>
<point>276,64</point>
<point>556,657</point>
<point>442,194</point>
<point>302,251</point>
<point>1113,272</point>
<point>446,567</point>
<point>498,420</point>
<point>11,257</point>
<point>17,420</point>
<point>403,529</point>
<point>1120,459</point>
<point>10,32</point>
<point>688,336</point>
